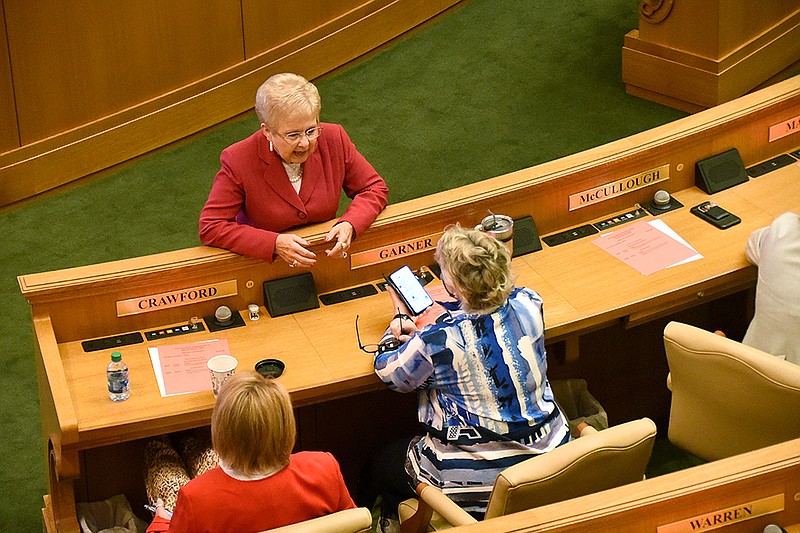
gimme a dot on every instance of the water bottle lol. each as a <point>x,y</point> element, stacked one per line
<point>117,373</point>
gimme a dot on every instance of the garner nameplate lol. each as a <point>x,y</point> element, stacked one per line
<point>165,300</point>
<point>619,187</point>
<point>394,251</point>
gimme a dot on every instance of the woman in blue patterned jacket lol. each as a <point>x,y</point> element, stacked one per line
<point>480,373</point>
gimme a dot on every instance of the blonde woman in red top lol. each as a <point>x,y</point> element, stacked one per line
<point>259,484</point>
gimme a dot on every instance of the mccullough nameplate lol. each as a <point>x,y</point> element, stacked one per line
<point>619,187</point>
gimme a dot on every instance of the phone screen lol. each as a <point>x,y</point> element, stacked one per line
<point>410,290</point>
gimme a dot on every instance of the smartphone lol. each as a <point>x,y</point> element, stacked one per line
<point>714,214</point>
<point>410,290</point>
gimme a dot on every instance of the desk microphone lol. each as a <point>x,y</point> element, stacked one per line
<point>223,315</point>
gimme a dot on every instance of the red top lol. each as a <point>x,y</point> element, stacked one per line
<point>252,200</point>
<point>309,487</point>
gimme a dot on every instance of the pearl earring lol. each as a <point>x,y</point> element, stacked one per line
<point>270,147</point>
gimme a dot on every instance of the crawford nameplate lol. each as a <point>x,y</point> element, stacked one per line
<point>165,300</point>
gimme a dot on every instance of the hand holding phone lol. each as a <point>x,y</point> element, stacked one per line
<point>714,214</point>
<point>410,290</point>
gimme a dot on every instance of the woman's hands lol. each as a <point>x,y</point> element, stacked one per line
<point>342,234</point>
<point>403,326</point>
<point>161,511</point>
<point>293,248</point>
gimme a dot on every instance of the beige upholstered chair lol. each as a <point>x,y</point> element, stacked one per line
<point>597,461</point>
<point>727,398</point>
<point>358,520</point>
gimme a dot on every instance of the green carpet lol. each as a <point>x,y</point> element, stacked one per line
<point>493,87</point>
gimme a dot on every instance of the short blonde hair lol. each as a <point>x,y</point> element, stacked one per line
<point>253,427</point>
<point>478,265</point>
<point>286,95</point>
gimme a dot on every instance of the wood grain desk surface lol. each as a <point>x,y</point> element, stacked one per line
<point>582,287</point>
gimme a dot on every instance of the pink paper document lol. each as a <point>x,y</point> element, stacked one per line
<point>181,368</point>
<point>646,246</point>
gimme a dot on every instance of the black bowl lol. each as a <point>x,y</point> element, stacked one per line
<point>270,368</point>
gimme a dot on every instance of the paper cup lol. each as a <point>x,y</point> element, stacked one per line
<point>221,367</point>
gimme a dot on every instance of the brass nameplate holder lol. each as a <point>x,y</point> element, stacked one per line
<point>394,251</point>
<point>619,187</point>
<point>166,300</point>
<point>726,517</point>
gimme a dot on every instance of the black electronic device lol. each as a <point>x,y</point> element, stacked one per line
<point>116,341</point>
<point>570,235</point>
<point>714,214</point>
<point>410,289</point>
<point>290,295</point>
<point>526,237</point>
<point>768,166</point>
<point>348,294</point>
<point>720,172</point>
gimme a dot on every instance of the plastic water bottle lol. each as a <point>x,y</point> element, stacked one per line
<point>117,373</point>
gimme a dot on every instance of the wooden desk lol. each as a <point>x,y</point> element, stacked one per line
<point>583,287</point>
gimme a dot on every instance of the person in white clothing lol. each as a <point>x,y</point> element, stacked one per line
<point>775,328</point>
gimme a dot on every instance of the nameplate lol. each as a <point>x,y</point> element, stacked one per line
<point>619,187</point>
<point>785,128</point>
<point>726,517</point>
<point>166,300</point>
<point>394,251</point>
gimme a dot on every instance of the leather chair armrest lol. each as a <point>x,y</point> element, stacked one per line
<point>444,506</point>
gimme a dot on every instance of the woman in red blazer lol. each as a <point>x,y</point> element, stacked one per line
<point>290,173</point>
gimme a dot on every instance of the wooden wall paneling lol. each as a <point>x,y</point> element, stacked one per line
<point>74,63</point>
<point>111,139</point>
<point>9,135</point>
<point>270,24</point>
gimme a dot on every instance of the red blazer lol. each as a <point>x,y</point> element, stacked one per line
<point>252,201</point>
<point>309,487</point>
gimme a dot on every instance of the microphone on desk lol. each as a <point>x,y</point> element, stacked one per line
<point>772,528</point>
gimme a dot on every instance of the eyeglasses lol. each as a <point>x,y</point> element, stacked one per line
<point>296,136</point>
<point>373,348</point>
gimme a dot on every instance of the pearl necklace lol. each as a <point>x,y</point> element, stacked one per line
<point>294,171</point>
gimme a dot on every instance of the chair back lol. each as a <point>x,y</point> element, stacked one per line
<point>358,520</point>
<point>728,398</point>
<point>598,461</point>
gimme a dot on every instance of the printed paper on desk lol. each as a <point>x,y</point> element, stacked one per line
<point>181,368</point>
<point>647,247</point>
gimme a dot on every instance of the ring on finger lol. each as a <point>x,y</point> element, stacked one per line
<point>293,264</point>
